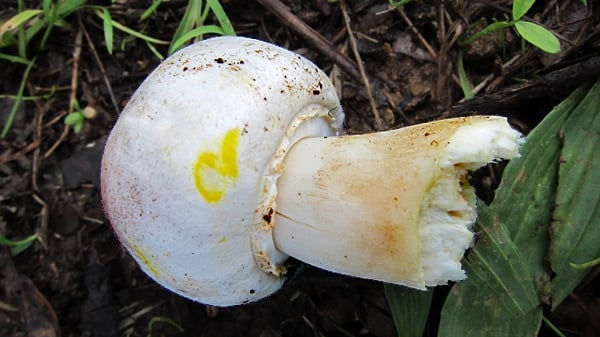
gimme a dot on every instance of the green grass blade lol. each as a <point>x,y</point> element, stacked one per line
<point>19,20</point>
<point>538,36</point>
<point>489,29</point>
<point>107,25</point>
<point>192,17</point>
<point>221,16</point>
<point>132,32</point>
<point>585,265</point>
<point>465,84</point>
<point>576,218</point>
<point>67,7</point>
<point>410,309</point>
<point>14,58</point>
<point>7,39</point>
<point>18,100</point>
<point>52,18</point>
<point>150,10</point>
<point>196,32</point>
<point>155,51</point>
<point>163,319</point>
<point>520,7</point>
<point>18,246</point>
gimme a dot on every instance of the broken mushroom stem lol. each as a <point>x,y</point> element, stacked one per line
<point>394,206</point>
<point>231,157</point>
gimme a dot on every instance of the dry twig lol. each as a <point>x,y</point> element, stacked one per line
<point>377,123</point>
<point>312,36</point>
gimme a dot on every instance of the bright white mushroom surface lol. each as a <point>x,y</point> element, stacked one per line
<point>230,158</point>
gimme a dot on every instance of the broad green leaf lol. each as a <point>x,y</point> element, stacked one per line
<point>520,7</point>
<point>499,297</point>
<point>524,199</point>
<point>576,217</point>
<point>538,36</point>
<point>551,188</point>
<point>410,309</point>
<point>511,255</point>
<point>484,316</point>
<point>496,266</point>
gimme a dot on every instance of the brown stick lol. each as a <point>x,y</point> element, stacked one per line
<point>546,86</point>
<point>312,36</point>
<point>377,123</point>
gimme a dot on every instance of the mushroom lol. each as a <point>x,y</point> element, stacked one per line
<point>231,157</point>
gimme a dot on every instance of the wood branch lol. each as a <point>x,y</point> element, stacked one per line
<point>325,47</point>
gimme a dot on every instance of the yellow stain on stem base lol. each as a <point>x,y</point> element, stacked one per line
<point>214,172</point>
<point>145,261</point>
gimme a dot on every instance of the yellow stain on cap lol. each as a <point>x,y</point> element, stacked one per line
<point>214,172</point>
<point>145,261</point>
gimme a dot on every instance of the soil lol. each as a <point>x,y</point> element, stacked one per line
<point>76,280</point>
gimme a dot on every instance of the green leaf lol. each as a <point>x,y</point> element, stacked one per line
<point>14,58</point>
<point>585,265</point>
<point>192,17</point>
<point>224,21</point>
<point>163,319</point>
<point>538,36</point>
<point>525,223</point>
<point>150,9</point>
<point>484,316</point>
<point>18,20</point>
<point>524,199</point>
<point>18,246</point>
<point>398,3</point>
<point>499,294</point>
<point>520,7</point>
<point>575,228</point>
<point>196,32</point>
<point>74,118</point>
<point>67,7</point>
<point>410,309</point>
<point>18,100</point>
<point>489,29</point>
<point>107,24</point>
<point>465,84</point>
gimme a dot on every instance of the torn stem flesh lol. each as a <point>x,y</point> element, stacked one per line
<point>394,206</point>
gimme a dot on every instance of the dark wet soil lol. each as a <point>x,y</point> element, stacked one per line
<point>75,280</point>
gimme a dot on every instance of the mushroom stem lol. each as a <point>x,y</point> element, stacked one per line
<point>394,206</point>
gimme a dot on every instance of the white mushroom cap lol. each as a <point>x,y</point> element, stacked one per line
<point>190,169</point>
